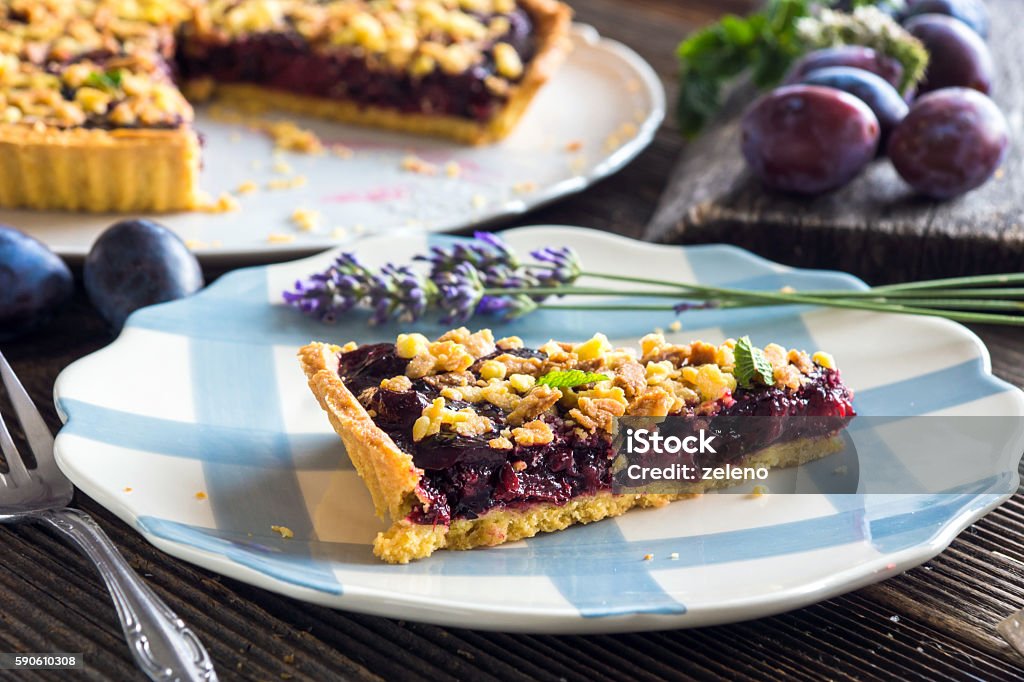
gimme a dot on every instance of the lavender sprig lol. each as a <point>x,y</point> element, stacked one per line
<point>463,280</point>
<point>484,277</point>
<point>563,266</point>
<point>484,252</point>
<point>400,293</point>
<point>339,289</point>
<point>395,292</point>
<point>460,292</point>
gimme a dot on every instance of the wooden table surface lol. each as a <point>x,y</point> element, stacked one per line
<point>933,622</point>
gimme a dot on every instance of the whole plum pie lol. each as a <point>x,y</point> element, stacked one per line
<point>93,115</point>
<point>467,441</point>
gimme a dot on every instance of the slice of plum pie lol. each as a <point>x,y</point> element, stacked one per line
<point>468,441</point>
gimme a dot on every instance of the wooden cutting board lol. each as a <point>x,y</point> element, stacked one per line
<point>875,227</point>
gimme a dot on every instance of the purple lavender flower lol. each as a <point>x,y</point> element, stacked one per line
<point>492,305</point>
<point>392,293</point>
<point>502,277</point>
<point>561,266</point>
<point>308,297</point>
<point>690,305</point>
<point>456,285</point>
<point>337,290</point>
<point>459,292</point>
<point>496,243</point>
<point>399,292</point>
<point>464,270</point>
<point>485,251</point>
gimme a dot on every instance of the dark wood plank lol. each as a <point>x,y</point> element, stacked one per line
<point>874,227</point>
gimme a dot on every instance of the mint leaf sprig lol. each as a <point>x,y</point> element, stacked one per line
<point>764,42</point>
<point>109,80</point>
<point>570,378</point>
<point>752,365</point>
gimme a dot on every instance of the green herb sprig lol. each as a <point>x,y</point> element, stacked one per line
<point>765,43</point>
<point>570,378</point>
<point>752,365</point>
<point>109,80</point>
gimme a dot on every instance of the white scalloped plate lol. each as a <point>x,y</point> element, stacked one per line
<point>599,111</point>
<point>205,395</point>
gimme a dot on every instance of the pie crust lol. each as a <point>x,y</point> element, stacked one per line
<point>132,169</point>
<point>79,169</point>
<point>392,478</point>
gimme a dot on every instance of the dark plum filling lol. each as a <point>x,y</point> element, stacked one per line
<point>369,365</point>
<point>464,477</point>
<point>567,467</point>
<point>824,395</point>
<point>285,61</point>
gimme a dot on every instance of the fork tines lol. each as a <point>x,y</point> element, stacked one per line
<point>37,433</point>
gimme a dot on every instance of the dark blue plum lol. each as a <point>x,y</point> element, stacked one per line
<point>957,57</point>
<point>887,104</point>
<point>952,141</point>
<point>846,55</point>
<point>33,283</point>
<point>807,139</point>
<point>971,12</point>
<point>137,263</point>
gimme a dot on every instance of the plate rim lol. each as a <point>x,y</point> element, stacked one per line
<point>565,619</point>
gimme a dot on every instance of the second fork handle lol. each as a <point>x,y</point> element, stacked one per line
<point>161,644</point>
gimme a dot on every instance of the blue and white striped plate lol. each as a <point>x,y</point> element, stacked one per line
<point>205,396</point>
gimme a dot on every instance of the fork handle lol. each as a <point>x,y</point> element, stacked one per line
<point>162,645</point>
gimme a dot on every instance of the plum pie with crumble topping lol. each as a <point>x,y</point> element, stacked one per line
<point>93,115</point>
<point>464,442</point>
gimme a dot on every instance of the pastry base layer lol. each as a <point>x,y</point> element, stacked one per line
<point>124,170</point>
<point>254,97</point>
<point>392,477</point>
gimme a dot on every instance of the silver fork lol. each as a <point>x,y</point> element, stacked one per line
<point>162,645</point>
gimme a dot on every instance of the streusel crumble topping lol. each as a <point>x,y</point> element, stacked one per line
<point>662,379</point>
